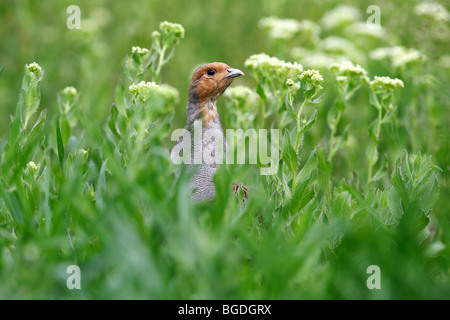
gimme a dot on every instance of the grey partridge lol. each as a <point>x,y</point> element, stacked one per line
<point>208,83</point>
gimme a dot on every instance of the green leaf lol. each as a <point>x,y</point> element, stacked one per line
<point>341,139</point>
<point>395,204</point>
<point>65,129</point>
<point>289,155</point>
<point>340,105</point>
<point>414,219</point>
<point>260,92</point>
<point>289,106</point>
<point>324,170</point>
<point>101,187</point>
<point>317,100</point>
<point>310,93</point>
<point>302,195</point>
<point>399,184</point>
<point>37,128</point>
<point>433,195</point>
<point>31,94</point>
<point>120,98</point>
<point>373,100</point>
<point>60,145</point>
<point>305,217</point>
<point>113,120</point>
<point>310,122</point>
<point>2,68</point>
<point>372,131</point>
<point>308,168</point>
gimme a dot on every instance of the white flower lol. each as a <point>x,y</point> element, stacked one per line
<point>287,28</point>
<point>339,16</point>
<point>341,79</point>
<point>292,85</point>
<point>318,60</point>
<point>266,65</point>
<point>34,69</point>
<point>166,92</point>
<point>280,28</point>
<point>70,91</point>
<point>432,10</point>
<point>398,55</point>
<point>156,35</point>
<point>141,87</point>
<point>386,83</point>
<point>336,44</point>
<point>174,29</point>
<point>33,166</point>
<point>139,51</point>
<point>341,46</point>
<point>83,152</point>
<point>311,75</point>
<point>348,69</point>
<point>146,89</point>
<point>242,97</point>
<point>360,29</point>
<point>241,93</point>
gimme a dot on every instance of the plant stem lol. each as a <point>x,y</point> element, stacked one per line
<point>297,141</point>
<point>160,63</point>
<point>374,148</point>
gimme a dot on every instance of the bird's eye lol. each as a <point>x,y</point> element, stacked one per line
<point>211,72</point>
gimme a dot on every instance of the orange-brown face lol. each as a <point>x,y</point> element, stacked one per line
<point>211,80</point>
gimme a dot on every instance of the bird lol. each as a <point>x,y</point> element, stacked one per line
<point>208,83</point>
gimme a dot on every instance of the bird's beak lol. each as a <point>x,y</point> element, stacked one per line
<point>233,73</point>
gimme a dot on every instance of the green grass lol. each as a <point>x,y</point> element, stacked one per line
<point>86,176</point>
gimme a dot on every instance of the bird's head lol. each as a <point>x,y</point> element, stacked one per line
<point>210,81</point>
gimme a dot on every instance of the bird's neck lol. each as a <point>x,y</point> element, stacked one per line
<point>205,111</point>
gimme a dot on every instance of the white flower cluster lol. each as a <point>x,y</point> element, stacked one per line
<point>167,93</point>
<point>172,29</point>
<point>342,47</point>
<point>142,87</point>
<point>70,91</point>
<point>33,166</point>
<point>320,60</point>
<point>348,69</point>
<point>147,89</point>
<point>340,16</point>
<point>241,93</point>
<point>336,44</point>
<point>292,85</point>
<point>432,10</point>
<point>311,75</point>
<point>139,51</point>
<point>287,28</point>
<point>280,28</point>
<point>386,83</point>
<point>34,69</point>
<point>83,152</point>
<point>360,29</point>
<point>341,79</point>
<point>266,65</point>
<point>398,55</point>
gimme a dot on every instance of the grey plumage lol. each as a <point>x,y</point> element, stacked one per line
<point>205,88</point>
